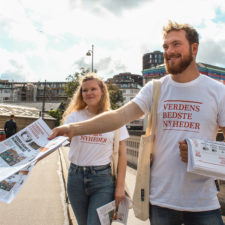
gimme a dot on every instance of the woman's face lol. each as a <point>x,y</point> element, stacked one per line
<point>91,93</point>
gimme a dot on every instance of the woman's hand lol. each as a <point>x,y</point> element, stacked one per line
<point>119,195</point>
<point>64,130</point>
<point>183,151</point>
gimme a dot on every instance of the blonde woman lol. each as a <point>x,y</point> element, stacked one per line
<point>90,183</point>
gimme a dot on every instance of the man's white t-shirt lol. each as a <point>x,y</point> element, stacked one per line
<point>185,110</point>
<point>95,149</point>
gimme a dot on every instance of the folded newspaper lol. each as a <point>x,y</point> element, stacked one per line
<point>206,158</point>
<point>19,153</point>
<point>109,215</point>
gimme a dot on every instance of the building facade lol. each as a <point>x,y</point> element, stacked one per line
<point>129,84</point>
<point>215,72</point>
<point>31,91</point>
<point>152,59</point>
<point>6,92</point>
<point>23,115</point>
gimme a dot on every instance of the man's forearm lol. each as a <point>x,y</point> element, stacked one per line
<point>99,124</point>
<point>107,121</point>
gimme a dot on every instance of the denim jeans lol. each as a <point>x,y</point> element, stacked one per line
<point>165,216</point>
<point>89,187</point>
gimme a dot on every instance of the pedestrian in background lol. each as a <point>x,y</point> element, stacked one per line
<point>10,127</point>
<point>191,105</point>
<point>90,182</point>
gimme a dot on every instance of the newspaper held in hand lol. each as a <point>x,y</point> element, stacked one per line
<point>11,186</point>
<point>206,158</point>
<point>108,214</point>
<point>20,152</point>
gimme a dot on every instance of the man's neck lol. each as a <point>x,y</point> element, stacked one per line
<point>191,73</point>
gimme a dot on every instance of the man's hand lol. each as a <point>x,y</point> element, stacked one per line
<point>183,151</point>
<point>119,195</point>
<point>64,130</point>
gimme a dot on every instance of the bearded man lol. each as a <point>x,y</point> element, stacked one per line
<point>191,105</point>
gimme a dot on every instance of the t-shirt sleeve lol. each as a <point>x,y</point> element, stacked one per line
<point>123,133</point>
<point>221,115</point>
<point>70,118</point>
<point>144,98</point>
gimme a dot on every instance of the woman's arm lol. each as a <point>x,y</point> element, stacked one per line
<point>122,165</point>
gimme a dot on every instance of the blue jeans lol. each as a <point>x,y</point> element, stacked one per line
<point>89,187</point>
<point>165,216</point>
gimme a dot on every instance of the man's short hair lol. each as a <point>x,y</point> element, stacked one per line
<point>12,116</point>
<point>190,33</point>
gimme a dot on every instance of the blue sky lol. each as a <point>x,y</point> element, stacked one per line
<point>48,39</point>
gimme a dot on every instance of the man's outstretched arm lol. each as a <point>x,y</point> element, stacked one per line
<point>105,122</point>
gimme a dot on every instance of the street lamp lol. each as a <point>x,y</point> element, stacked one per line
<point>91,53</point>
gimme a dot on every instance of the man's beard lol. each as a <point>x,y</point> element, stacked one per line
<point>179,67</point>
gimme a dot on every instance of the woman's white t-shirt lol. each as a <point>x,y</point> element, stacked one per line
<point>186,110</point>
<point>95,149</point>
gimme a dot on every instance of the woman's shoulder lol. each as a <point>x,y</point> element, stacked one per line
<point>75,116</point>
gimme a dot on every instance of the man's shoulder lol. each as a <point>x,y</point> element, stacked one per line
<point>213,85</point>
<point>162,80</point>
<point>211,81</point>
<point>8,121</point>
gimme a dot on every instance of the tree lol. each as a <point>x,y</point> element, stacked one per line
<point>115,95</point>
<point>73,82</point>
<point>57,114</point>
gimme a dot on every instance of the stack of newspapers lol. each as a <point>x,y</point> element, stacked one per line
<point>206,158</point>
<point>19,153</point>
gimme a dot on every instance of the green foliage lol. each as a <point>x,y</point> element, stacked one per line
<point>56,114</point>
<point>71,85</point>
<point>115,95</point>
<point>73,82</point>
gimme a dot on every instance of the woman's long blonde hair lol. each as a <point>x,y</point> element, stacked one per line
<point>77,103</point>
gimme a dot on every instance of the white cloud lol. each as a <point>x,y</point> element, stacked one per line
<point>60,32</point>
<point>14,64</point>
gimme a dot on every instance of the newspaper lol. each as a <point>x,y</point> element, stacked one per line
<point>19,153</point>
<point>206,158</point>
<point>11,186</point>
<point>108,213</point>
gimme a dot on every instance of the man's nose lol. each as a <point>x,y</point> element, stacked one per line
<point>170,50</point>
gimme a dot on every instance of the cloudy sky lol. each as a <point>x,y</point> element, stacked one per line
<point>48,39</point>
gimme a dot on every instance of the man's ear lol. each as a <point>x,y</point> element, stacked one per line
<point>194,48</point>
